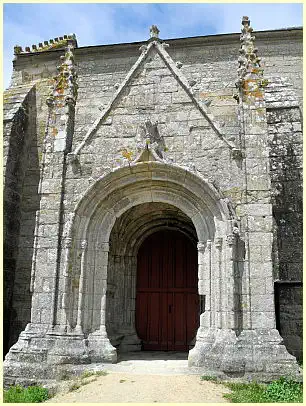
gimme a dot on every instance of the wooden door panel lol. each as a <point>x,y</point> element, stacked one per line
<point>164,321</point>
<point>170,322</point>
<point>167,313</point>
<point>153,320</point>
<point>142,313</point>
<point>179,322</point>
<point>192,315</point>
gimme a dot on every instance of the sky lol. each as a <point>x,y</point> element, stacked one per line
<point>110,23</point>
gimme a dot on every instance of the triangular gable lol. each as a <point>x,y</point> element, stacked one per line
<point>146,49</point>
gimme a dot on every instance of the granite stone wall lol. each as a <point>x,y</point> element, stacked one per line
<point>21,200</point>
<point>285,132</point>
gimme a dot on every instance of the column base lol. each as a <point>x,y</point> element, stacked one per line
<point>43,353</point>
<point>130,343</point>
<point>254,354</point>
<point>100,348</point>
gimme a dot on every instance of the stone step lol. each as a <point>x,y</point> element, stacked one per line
<point>39,355</point>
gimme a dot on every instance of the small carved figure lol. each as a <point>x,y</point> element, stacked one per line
<point>149,135</point>
<point>154,31</point>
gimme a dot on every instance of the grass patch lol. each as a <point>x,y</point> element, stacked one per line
<point>84,382</point>
<point>87,374</point>
<point>282,390</point>
<point>74,386</point>
<point>209,378</point>
<point>66,376</point>
<point>32,394</point>
<point>100,373</point>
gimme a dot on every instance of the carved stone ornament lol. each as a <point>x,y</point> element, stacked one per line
<point>249,62</point>
<point>230,239</point>
<point>154,31</point>
<point>201,246</point>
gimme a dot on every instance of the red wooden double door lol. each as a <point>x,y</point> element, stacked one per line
<point>167,301</point>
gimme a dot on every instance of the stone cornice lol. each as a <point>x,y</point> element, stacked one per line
<point>176,43</point>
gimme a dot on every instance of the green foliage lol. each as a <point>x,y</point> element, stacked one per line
<point>86,382</point>
<point>282,390</point>
<point>87,374</point>
<point>65,376</point>
<point>246,393</point>
<point>100,373</point>
<point>74,386</point>
<point>32,394</point>
<point>285,390</point>
<point>210,378</point>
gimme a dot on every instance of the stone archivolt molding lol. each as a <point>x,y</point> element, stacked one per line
<point>154,43</point>
<point>199,206</point>
<point>187,187</point>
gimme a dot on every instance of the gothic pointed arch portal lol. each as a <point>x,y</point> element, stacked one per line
<point>111,209</point>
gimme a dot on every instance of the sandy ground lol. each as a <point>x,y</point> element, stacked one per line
<point>127,387</point>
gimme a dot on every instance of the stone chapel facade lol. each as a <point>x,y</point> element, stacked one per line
<point>152,201</point>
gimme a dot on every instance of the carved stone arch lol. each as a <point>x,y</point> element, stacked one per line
<point>113,195</point>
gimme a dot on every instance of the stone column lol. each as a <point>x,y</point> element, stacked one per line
<point>204,275</point>
<point>131,341</point>
<point>216,338</point>
<point>65,298</point>
<point>229,282</point>
<point>99,346</point>
<point>218,283</point>
<point>78,327</point>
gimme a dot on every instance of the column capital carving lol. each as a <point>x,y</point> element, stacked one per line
<point>84,244</point>
<point>67,242</point>
<point>218,242</point>
<point>201,246</point>
<point>230,239</point>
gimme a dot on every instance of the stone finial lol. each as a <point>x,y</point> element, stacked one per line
<point>65,83</point>
<point>17,49</point>
<point>250,72</point>
<point>154,31</point>
<point>249,62</point>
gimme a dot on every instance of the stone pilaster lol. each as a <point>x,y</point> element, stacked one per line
<point>261,348</point>
<point>58,143</point>
<point>45,338</point>
<point>99,346</point>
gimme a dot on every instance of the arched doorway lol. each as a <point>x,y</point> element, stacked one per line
<point>167,300</point>
<point>104,245</point>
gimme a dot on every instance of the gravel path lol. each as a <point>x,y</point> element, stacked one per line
<point>124,387</point>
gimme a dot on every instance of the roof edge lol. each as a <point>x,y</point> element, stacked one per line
<point>230,36</point>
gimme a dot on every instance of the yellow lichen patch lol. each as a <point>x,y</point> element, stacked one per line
<point>54,131</point>
<point>235,193</point>
<point>127,154</point>
<point>55,45</point>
